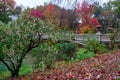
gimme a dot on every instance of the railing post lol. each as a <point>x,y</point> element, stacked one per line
<point>99,36</point>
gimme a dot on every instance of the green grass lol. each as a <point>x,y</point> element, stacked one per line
<point>24,70</point>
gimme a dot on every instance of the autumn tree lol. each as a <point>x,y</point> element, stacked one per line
<point>88,23</point>
<point>61,18</point>
<point>41,8</point>
<point>50,15</point>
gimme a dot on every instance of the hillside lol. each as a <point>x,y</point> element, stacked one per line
<point>102,67</point>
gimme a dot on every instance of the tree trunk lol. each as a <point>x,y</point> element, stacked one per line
<point>15,73</point>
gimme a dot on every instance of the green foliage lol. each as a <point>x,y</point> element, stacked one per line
<point>106,15</point>
<point>66,50</point>
<point>114,35</point>
<point>57,47</point>
<point>45,55</point>
<point>116,5</point>
<point>4,72</point>
<point>25,69</point>
<point>95,46</point>
<point>50,52</point>
<point>84,53</point>
<point>16,40</point>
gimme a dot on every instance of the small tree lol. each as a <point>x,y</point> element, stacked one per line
<point>16,40</point>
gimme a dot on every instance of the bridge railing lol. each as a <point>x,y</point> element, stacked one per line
<point>101,37</point>
<point>85,37</point>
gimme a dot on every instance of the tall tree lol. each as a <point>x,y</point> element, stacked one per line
<point>116,5</point>
<point>62,18</point>
<point>88,23</point>
<point>67,19</point>
<point>50,14</point>
<point>106,16</point>
<point>17,39</point>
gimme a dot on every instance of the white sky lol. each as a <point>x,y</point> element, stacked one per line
<point>34,3</point>
<point>30,3</point>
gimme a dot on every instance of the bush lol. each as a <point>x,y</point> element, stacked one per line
<point>45,55</point>
<point>95,46</point>
<point>84,53</point>
<point>49,52</point>
<point>66,51</point>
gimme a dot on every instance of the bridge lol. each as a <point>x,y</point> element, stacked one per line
<point>103,38</point>
<point>82,38</point>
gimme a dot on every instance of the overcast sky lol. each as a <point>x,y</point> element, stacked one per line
<point>34,3</point>
<point>30,3</point>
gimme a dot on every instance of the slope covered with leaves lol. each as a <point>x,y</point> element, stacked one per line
<point>102,67</point>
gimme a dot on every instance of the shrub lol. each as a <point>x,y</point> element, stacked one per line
<point>66,50</point>
<point>95,46</point>
<point>45,55</point>
<point>84,53</point>
<point>49,52</point>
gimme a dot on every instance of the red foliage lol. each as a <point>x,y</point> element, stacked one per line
<point>51,7</point>
<point>84,10</point>
<point>50,11</point>
<point>36,13</point>
<point>94,21</point>
<point>51,15</point>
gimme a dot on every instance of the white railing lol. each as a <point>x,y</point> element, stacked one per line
<point>101,37</point>
<point>85,37</point>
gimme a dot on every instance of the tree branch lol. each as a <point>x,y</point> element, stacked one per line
<point>6,64</point>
